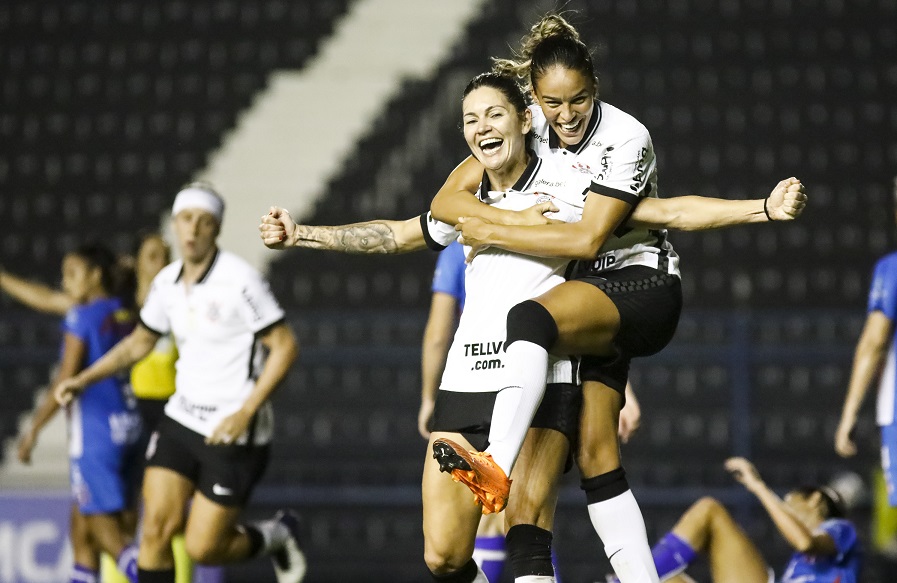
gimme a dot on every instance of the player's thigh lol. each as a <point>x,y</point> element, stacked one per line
<point>450,514</point>
<point>209,524</point>
<point>586,318</point>
<point>165,497</point>
<point>536,478</point>
<point>733,557</point>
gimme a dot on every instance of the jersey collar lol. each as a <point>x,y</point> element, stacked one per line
<point>554,142</point>
<point>522,183</point>
<point>205,274</point>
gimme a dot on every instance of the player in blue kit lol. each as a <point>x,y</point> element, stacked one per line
<point>810,518</point>
<point>104,424</point>
<point>874,359</point>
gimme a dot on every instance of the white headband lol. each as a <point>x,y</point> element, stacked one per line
<point>198,198</point>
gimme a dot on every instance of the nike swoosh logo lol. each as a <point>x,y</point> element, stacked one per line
<point>220,490</point>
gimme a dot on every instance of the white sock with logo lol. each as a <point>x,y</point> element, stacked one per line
<point>621,527</point>
<point>516,404</point>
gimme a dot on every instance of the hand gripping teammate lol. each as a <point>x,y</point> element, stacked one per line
<point>212,446</point>
<point>447,551</point>
<point>623,301</point>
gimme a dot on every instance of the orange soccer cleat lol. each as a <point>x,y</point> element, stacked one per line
<point>477,471</point>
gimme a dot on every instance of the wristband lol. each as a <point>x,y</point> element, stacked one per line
<point>765,211</point>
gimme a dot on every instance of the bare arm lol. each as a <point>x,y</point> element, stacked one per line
<point>73,351</point>
<point>434,350</point>
<point>36,296</point>
<point>132,348</point>
<point>279,231</point>
<point>793,529</point>
<point>579,240</point>
<point>698,213</point>
<point>457,198</point>
<point>283,350</point>
<point>867,363</point>
<point>630,415</point>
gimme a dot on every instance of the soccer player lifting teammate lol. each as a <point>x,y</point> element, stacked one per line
<point>212,445</point>
<point>622,301</point>
<point>515,179</point>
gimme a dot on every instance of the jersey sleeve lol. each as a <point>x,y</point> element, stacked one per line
<point>883,291</point>
<point>153,315</point>
<point>449,275</point>
<point>437,234</point>
<point>76,322</point>
<point>842,532</point>
<point>625,170</point>
<point>258,306</point>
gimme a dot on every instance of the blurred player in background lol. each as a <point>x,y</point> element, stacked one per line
<point>809,518</point>
<point>152,378</point>
<point>104,424</point>
<point>212,446</point>
<point>875,362</point>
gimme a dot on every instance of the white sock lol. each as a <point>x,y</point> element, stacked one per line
<point>516,404</point>
<point>273,534</point>
<point>535,579</point>
<point>620,526</point>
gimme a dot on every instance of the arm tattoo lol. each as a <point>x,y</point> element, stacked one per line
<point>372,237</point>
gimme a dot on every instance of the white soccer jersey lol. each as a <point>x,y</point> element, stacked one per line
<point>617,154</point>
<point>497,280</point>
<point>216,324</point>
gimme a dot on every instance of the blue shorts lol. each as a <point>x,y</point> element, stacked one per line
<point>105,482</point>
<point>889,460</point>
<point>104,469</point>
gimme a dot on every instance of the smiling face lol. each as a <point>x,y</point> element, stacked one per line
<point>494,129</point>
<point>567,98</point>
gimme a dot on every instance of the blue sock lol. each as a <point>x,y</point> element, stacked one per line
<point>208,574</point>
<point>81,574</point>
<point>127,562</point>
<point>672,555</point>
<point>554,565</point>
<point>489,553</point>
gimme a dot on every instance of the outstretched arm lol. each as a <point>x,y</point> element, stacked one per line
<point>36,296</point>
<point>796,532</point>
<point>697,213</point>
<point>279,231</point>
<point>867,363</point>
